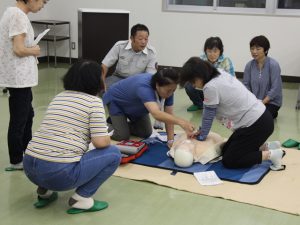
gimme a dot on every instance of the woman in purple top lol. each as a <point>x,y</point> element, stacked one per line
<point>262,75</point>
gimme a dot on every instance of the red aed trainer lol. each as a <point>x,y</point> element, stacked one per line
<point>131,150</point>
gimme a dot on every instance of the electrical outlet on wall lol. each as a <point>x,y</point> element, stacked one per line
<point>73,45</point>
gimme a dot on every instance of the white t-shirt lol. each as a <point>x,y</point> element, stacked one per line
<point>237,107</point>
<point>15,71</point>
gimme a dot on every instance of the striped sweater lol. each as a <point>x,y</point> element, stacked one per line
<point>72,118</point>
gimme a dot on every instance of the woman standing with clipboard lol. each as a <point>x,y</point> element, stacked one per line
<point>19,73</point>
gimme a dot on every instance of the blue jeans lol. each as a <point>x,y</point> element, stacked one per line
<point>195,95</point>
<point>87,175</point>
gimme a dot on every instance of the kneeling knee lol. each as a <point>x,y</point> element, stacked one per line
<point>146,134</point>
<point>120,137</point>
<point>229,163</point>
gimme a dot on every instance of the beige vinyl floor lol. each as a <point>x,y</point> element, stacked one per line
<point>133,202</point>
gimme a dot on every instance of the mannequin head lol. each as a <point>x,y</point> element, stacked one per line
<point>202,151</point>
<point>184,156</point>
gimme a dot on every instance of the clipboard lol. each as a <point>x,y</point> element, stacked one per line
<point>40,36</point>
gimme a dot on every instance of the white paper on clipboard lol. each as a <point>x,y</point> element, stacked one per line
<point>40,36</point>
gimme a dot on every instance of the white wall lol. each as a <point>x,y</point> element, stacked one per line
<point>42,14</point>
<point>177,36</point>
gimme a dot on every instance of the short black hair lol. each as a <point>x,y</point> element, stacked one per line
<point>165,77</point>
<point>84,76</point>
<point>214,42</point>
<point>25,1</point>
<point>197,68</point>
<point>138,27</point>
<point>261,41</point>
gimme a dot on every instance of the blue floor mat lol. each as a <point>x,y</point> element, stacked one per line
<point>156,156</point>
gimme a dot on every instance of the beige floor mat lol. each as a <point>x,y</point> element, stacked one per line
<point>278,190</point>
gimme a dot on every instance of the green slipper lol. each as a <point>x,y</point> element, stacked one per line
<point>42,202</point>
<point>11,168</point>
<point>98,205</point>
<point>193,108</point>
<point>299,146</point>
<point>290,143</point>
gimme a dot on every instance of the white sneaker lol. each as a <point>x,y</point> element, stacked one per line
<point>275,157</point>
<point>111,133</point>
<point>110,129</point>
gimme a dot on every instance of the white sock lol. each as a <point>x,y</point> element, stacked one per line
<point>272,145</point>
<point>44,193</point>
<point>82,202</point>
<point>18,166</point>
<point>47,194</point>
<point>275,157</point>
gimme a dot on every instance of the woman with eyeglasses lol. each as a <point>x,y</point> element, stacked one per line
<point>132,100</point>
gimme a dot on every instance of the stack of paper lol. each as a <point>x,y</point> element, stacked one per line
<point>208,178</point>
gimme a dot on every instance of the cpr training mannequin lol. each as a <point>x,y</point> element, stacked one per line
<point>187,151</point>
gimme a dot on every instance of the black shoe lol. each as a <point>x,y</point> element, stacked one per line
<point>108,120</point>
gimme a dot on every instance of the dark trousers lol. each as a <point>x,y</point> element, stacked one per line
<point>20,123</point>
<point>273,109</point>
<point>195,95</point>
<point>123,129</point>
<point>242,148</point>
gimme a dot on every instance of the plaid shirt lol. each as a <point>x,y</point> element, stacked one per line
<point>222,63</point>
